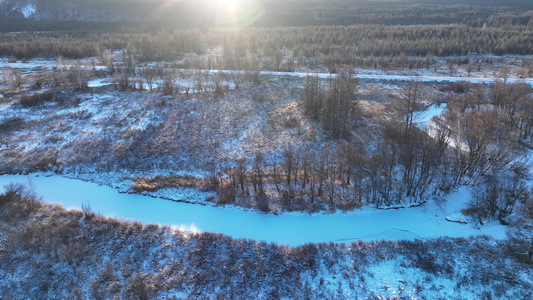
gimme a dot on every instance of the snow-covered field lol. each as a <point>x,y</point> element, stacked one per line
<point>423,222</point>
<point>425,75</point>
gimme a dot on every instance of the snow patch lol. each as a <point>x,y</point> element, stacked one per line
<point>186,229</point>
<point>424,117</point>
<point>457,218</point>
<point>99,82</point>
<point>28,10</point>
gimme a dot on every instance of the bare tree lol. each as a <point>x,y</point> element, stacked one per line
<point>313,96</point>
<point>79,76</point>
<point>258,172</point>
<point>410,101</point>
<point>106,58</point>
<point>169,83</point>
<point>241,172</point>
<point>340,108</point>
<point>277,57</point>
<point>497,196</point>
<point>288,164</point>
<point>13,78</point>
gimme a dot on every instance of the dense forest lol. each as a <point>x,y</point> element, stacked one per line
<point>286,48</point>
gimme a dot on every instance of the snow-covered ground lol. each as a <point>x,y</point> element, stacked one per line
<point>99,82</point>
<point>423,117</point>
<point>426,221</point>
<point>393,77</point>
<point>424,75</point>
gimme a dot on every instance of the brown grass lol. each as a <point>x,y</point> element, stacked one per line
<point>152,184</point>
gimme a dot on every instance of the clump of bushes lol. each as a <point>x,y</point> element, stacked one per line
<point>11,124</point>
<point>496,198</point>
<point>152,184</point>
<point>226,194</point>
<point>17,202</point>
<point>36,99</point>
<point>262,202</point>
<point>456,87</point>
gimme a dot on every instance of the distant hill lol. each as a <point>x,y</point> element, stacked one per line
<point>81,10</point>
<point>209,13</point>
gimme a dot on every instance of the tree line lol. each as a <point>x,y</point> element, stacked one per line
<point>284,49</point>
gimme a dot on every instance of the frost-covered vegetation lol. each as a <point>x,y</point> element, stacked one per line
<point>270,141</point>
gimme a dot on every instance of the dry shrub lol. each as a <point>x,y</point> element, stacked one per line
<point>45,162</point>
<point>262,202</point>
<point>527,209</point>
<point>349,204</point>
<point>73,251</point>
<point>13,193</point>
<point>456,87</point>
<point>11,124</point>
<point>226,194</point>
<point>106,273</point>
<point>143,186</point>
<point>306,254</point>
<point>138,287</point>
<point>36,99</point>
<point>151,228</point>
<point>152,184</point>
<point>134,227</point>
<point>30,237</point>
<point>291,122</point>
<point>472,211</point>
<point>18,201</point>
<point>87,211</point>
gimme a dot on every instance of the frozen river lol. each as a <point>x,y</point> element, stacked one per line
<point>427,221</point>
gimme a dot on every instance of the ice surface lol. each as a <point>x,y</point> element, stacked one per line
<point>427,221</point>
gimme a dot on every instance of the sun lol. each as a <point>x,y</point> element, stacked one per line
<point>228,6</point>
<point>231,5</point>
<point>233,14</point>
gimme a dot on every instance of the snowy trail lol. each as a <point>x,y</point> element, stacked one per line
<point>427,221</point>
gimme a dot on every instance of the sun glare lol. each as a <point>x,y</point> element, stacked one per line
<point>230,5</point>
<point>236,13</point>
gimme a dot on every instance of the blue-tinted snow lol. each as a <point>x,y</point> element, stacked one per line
<point>28,10</point>
<point>423,117</point>
<point>426,221</point>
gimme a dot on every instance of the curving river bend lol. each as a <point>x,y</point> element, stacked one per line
<point>427,221</point>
